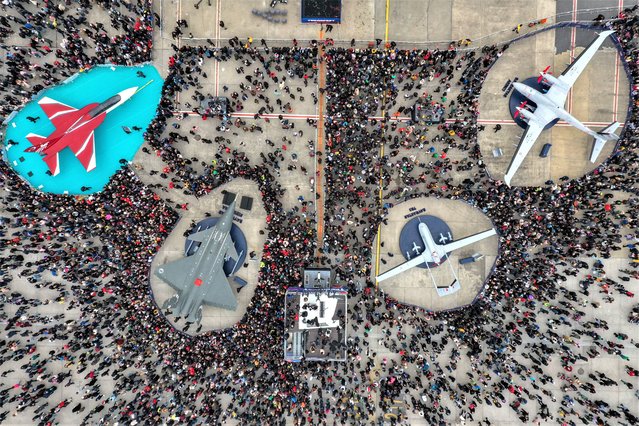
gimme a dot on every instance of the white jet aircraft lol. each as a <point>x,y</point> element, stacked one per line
<point>434,253</point>
<point>550,107</point>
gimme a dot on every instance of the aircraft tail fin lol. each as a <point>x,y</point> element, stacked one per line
<point>53,162</point>
<point>603,136</point>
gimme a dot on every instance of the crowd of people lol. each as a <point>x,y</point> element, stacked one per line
<point>34,62</point>
<point>92,254</point>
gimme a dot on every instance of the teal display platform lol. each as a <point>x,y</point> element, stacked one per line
<point>410,234</point>
<point>112,143</point>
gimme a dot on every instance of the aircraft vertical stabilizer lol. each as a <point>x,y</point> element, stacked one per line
<point>53,162</point>
<point>36,140</point>
<point>601,138</point>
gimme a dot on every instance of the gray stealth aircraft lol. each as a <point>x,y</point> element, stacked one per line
<point>200,278</point>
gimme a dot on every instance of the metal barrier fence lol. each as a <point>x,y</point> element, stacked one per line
<point>497,38</point>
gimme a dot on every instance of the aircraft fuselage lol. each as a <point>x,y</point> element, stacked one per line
<point>433,250</point>
<point>209,257</point>
<point>542,101</point>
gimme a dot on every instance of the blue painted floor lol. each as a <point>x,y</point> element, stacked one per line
<point>111,142</point>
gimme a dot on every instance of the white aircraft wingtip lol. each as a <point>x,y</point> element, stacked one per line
<point>47,100</point>
<point>34,135</point>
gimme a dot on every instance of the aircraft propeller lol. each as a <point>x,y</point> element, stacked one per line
<point>521,105</point>
<point>541,74</point>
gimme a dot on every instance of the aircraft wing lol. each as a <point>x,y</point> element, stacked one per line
<point>526,142</point>
<point>468,240</point>
<point>56,111</point>
<point>84,149</point>
<point>173,273</point>
<point>403,267</point>
<point>220,291</point>
<point>559,92</point>
<point>53,162</point>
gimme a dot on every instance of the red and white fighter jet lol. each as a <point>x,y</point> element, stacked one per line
<point>74,129</point>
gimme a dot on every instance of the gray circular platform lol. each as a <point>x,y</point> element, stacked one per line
<point>231,265</point>
<point>410,234</point>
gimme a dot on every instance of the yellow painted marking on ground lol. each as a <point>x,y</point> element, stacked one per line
<point>387,12</point>
<point>381,202</point>
<point>319,204</point>
<point>381,180</point>
<point>377,257</point>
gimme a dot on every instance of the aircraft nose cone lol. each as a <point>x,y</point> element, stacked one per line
<point>127,93</point>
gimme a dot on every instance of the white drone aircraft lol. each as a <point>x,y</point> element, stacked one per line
<point>435,253</point>
<point>550,106</point>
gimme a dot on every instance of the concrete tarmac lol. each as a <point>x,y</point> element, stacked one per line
<point>412,23</point>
